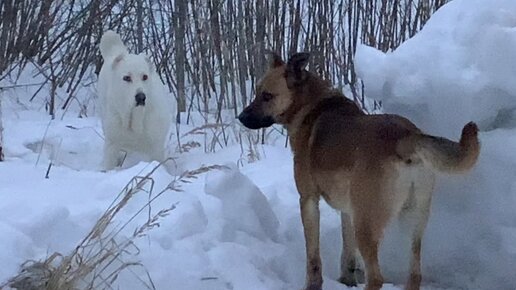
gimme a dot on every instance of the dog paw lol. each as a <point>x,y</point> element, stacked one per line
<point>313,286</point>
<point>414,282</point>
<point>349,281</point>
<point>352,277</point>
<point>360,275</point>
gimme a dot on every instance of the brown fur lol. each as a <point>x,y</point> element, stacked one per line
<point>370,167</point>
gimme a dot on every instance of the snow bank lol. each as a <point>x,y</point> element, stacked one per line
<point>460,67</point>
<point>240,228</point>
<point>222,233</point>
<point>244,207</point>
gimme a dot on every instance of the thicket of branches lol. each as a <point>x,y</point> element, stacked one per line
<point>207,51</point>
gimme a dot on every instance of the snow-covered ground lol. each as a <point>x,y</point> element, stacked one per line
<point>240,228</point>
<point>461,67</point>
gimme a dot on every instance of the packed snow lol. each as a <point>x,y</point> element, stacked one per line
<point>239,227</point>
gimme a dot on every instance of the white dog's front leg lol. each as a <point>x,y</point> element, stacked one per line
<point>111,156</point>
<point>137,119</point>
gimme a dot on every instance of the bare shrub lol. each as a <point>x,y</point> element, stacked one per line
<point>218,57</point>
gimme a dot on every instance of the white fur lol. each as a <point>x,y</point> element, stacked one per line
<point>128,127</point>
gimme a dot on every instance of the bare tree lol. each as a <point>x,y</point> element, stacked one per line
<point>206,51</point>
<point>180,55</point>
<point>1,133</point>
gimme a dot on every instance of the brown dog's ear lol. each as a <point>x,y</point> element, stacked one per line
<point>298,61</point>
<point>296,68</point>
<point>274,59</point>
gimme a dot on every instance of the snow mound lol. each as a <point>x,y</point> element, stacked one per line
<point>460,67</point>
<point>244,207</point>
<point>228,233</point>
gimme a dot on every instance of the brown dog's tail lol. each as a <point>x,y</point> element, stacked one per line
<point>443,154</point>
<point>448,156</point>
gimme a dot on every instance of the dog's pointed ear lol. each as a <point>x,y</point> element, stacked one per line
<point>148,60</point>
<point>298,61</point>
<point>274,59</point>
<point>296,65</point>
<point>117,60</point>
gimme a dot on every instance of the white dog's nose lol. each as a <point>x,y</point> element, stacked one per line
<point>140,99</point>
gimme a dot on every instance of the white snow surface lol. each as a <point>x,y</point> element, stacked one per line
<point>240,227</point>
<point>461,67</point>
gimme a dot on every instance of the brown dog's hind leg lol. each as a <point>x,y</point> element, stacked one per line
<point>310,217</point>
<point>414,281</point>
<point>420,216</point>
<point>351,274</point>
<point>368,240</point>
<point>372,206</point>
<point>415,218</point>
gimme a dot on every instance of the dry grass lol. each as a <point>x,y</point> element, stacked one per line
<point>106,251</point>
<point>215,136</point>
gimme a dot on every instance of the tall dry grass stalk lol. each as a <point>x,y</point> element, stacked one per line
<point>107,251</point>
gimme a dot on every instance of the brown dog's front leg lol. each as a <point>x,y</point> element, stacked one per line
<point>310,218</point>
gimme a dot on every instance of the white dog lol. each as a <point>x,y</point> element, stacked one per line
<point>136,113</point>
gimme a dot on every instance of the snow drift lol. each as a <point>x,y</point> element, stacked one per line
<point>240,228</point>
<point>461,67</point>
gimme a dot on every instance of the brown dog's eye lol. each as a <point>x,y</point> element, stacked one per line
<point>267,96</point>
<point>127,78</point>
<point>145,77</point>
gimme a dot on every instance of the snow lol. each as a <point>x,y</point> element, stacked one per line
<point>463,59</point>
<point>461,67</point>
<point>244,207</point>
<point>239,227</point>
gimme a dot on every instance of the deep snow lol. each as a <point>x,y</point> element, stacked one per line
<point>461,67</point>
<point>239,228</point>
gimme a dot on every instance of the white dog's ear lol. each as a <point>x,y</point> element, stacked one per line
<point>149,61</point>
<point>117,60</point>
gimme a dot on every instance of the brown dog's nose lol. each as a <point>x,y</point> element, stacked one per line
<point>250,119</point>
<point>241,116</point>
<point>244,115</point>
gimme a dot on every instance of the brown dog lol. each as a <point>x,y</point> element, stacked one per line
<point>370,167</point>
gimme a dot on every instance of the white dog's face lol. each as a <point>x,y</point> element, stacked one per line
<point>134,76</point>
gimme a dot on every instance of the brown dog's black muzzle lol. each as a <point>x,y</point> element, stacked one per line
<point>252,120</point>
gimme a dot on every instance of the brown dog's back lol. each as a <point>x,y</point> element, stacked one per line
<point>340,138</point>
<point>341,134</point>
